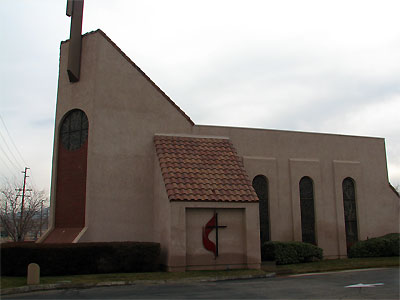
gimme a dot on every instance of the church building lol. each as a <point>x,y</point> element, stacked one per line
<point>130,165</point>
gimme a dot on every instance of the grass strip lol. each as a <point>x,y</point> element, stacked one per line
<point>320,266</point>
<point>335,265</point>
<point>9,282</point>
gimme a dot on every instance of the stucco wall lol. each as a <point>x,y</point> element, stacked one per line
<point>231,239</point>
<point>124,110</point>
<point>284,157</point>
<point>236,215</point>
<point>161,214</point>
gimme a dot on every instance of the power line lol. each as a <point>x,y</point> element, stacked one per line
<point>5,154</point>
<point>12,141</point>
<point>9,150</point>
<point>6,165</point>
<point>15,163</point>
<point>33,183</point>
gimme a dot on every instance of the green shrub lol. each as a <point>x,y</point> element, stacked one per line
<point>387,245</point>
<point>80,258</point>
<point>268,251</point>
<point>290,252</point>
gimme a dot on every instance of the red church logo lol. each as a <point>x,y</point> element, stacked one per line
<point>210,226</point>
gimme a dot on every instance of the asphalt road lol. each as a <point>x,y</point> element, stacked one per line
<point>314,286</point>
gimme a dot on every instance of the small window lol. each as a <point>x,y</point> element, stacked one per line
<point>74,130</point>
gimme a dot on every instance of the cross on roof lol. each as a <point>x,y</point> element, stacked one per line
<point>75,11</point>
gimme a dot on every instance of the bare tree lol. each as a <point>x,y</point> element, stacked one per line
<point>18,213</point>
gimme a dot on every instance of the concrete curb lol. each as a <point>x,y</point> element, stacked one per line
<point>65,285</point>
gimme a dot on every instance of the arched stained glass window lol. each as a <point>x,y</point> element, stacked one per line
<point>350,211</point>
<point>260,185</point>
<point>74,129</point>
<point>307,210</point>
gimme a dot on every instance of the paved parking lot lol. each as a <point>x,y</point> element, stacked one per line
<point>384,285</point>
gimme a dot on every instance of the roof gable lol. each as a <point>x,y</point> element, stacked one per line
<point>99,31</point>
<point>202,169</point>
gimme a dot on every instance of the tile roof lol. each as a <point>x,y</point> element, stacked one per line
<point>202,169</point>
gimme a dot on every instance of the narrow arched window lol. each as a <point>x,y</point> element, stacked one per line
<point>350,211</point>
<point>70,203</point>
<point>260,185</point>
<point>307,210</point>
<point>74,129</point>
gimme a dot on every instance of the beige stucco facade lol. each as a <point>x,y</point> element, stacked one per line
<point>284,157</point>
<point>126,198</point>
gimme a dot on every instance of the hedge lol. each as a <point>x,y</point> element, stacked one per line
<point>80,258</point>
<point>290,252</point>
<point>387,245</point>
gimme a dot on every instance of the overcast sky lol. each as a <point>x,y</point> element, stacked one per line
<point>319,66</point>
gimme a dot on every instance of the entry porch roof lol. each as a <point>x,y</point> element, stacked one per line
<point>202,169</point>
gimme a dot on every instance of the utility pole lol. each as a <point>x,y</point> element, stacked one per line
<point>22,203</point>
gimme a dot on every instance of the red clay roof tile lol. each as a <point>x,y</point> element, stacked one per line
<point>202,169</point>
